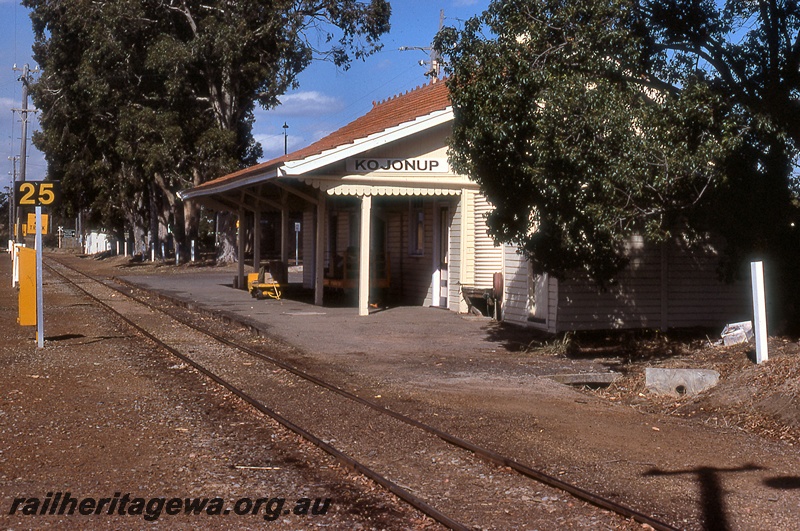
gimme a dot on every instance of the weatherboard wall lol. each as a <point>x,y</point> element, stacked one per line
<point>665,286</point>
<point>634,301</point>
<point>456,264</point>
<point>696,295</point>
<point>488,255</point>
<point>515,296</point>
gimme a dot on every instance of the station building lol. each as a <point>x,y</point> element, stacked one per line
<point>385,179</point>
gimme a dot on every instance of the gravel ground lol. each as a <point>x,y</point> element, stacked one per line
<point>100,413</point>
<point>476,493</point>
<point>725,459</point>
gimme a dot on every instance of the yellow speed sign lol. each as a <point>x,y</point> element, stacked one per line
<point>37,193</point>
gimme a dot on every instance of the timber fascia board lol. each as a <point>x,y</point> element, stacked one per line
<point>234,184</point>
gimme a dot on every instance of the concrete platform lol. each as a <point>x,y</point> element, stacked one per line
<point>331,329</point>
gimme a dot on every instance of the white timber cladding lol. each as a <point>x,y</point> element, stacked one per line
<point>468,212</point>
<point>633,302</point>
<point>515,296</point>
<point>424,263</point>
<point>454,263</point>
<point>552,308</point>
<point>454,255</point>
<point>308,247</point>
<point>387,173</point>
<point>695,295</point>
<point>488,256</point>
<point>459,262</point>
<point>674,286</point>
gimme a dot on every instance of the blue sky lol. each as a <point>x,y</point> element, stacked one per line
<point>327,98</point>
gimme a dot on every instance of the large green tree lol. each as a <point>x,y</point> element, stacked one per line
<point>586,121</point>
<point>141,99</point>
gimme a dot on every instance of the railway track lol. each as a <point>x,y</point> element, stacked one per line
<point>417,462</point>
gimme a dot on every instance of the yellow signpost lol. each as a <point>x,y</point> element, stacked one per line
<point>30,228</point>
<point>35,194</point>
<point>27,286</point>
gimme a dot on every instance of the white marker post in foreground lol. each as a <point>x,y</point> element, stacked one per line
<point>759,310</point>
<point>39,288</point>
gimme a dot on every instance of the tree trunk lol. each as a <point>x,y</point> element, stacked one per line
<point>191,217</point>
<point>153,242</point>
<point>226,253</point>
<point>136,230</point>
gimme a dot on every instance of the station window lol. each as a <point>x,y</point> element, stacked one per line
<point>416,236</point>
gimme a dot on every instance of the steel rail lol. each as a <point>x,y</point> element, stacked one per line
<point>485,453</point>
<point>347,460</point>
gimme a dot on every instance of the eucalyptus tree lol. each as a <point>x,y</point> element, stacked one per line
<point>80,104</point>
<point>141,99</point>
<point>586,121</point>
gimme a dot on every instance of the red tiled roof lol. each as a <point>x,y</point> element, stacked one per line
<point>392,112</point>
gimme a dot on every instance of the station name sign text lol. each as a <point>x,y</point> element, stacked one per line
<point>428,165</point>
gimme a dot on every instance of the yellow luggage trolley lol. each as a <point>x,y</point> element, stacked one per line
<point>261,285</point>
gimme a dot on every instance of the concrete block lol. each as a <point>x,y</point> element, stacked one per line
<point>678,382</point>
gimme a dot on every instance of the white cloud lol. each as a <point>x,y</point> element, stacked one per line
<point>272,144</point>
<point>318,133</point>
<point>7,102</point>
<point>308,103</point>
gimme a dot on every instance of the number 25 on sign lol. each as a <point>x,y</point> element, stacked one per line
<point>37,193</point>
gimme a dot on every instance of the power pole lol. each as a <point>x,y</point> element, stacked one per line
<point>23,149</point>
<point>436,58</point>
<point>11,197</point>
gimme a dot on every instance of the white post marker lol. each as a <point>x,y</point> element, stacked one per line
<point>39,296</point>
<point>296,243</point>
<point>759,311</point>
<point>15,265</point>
